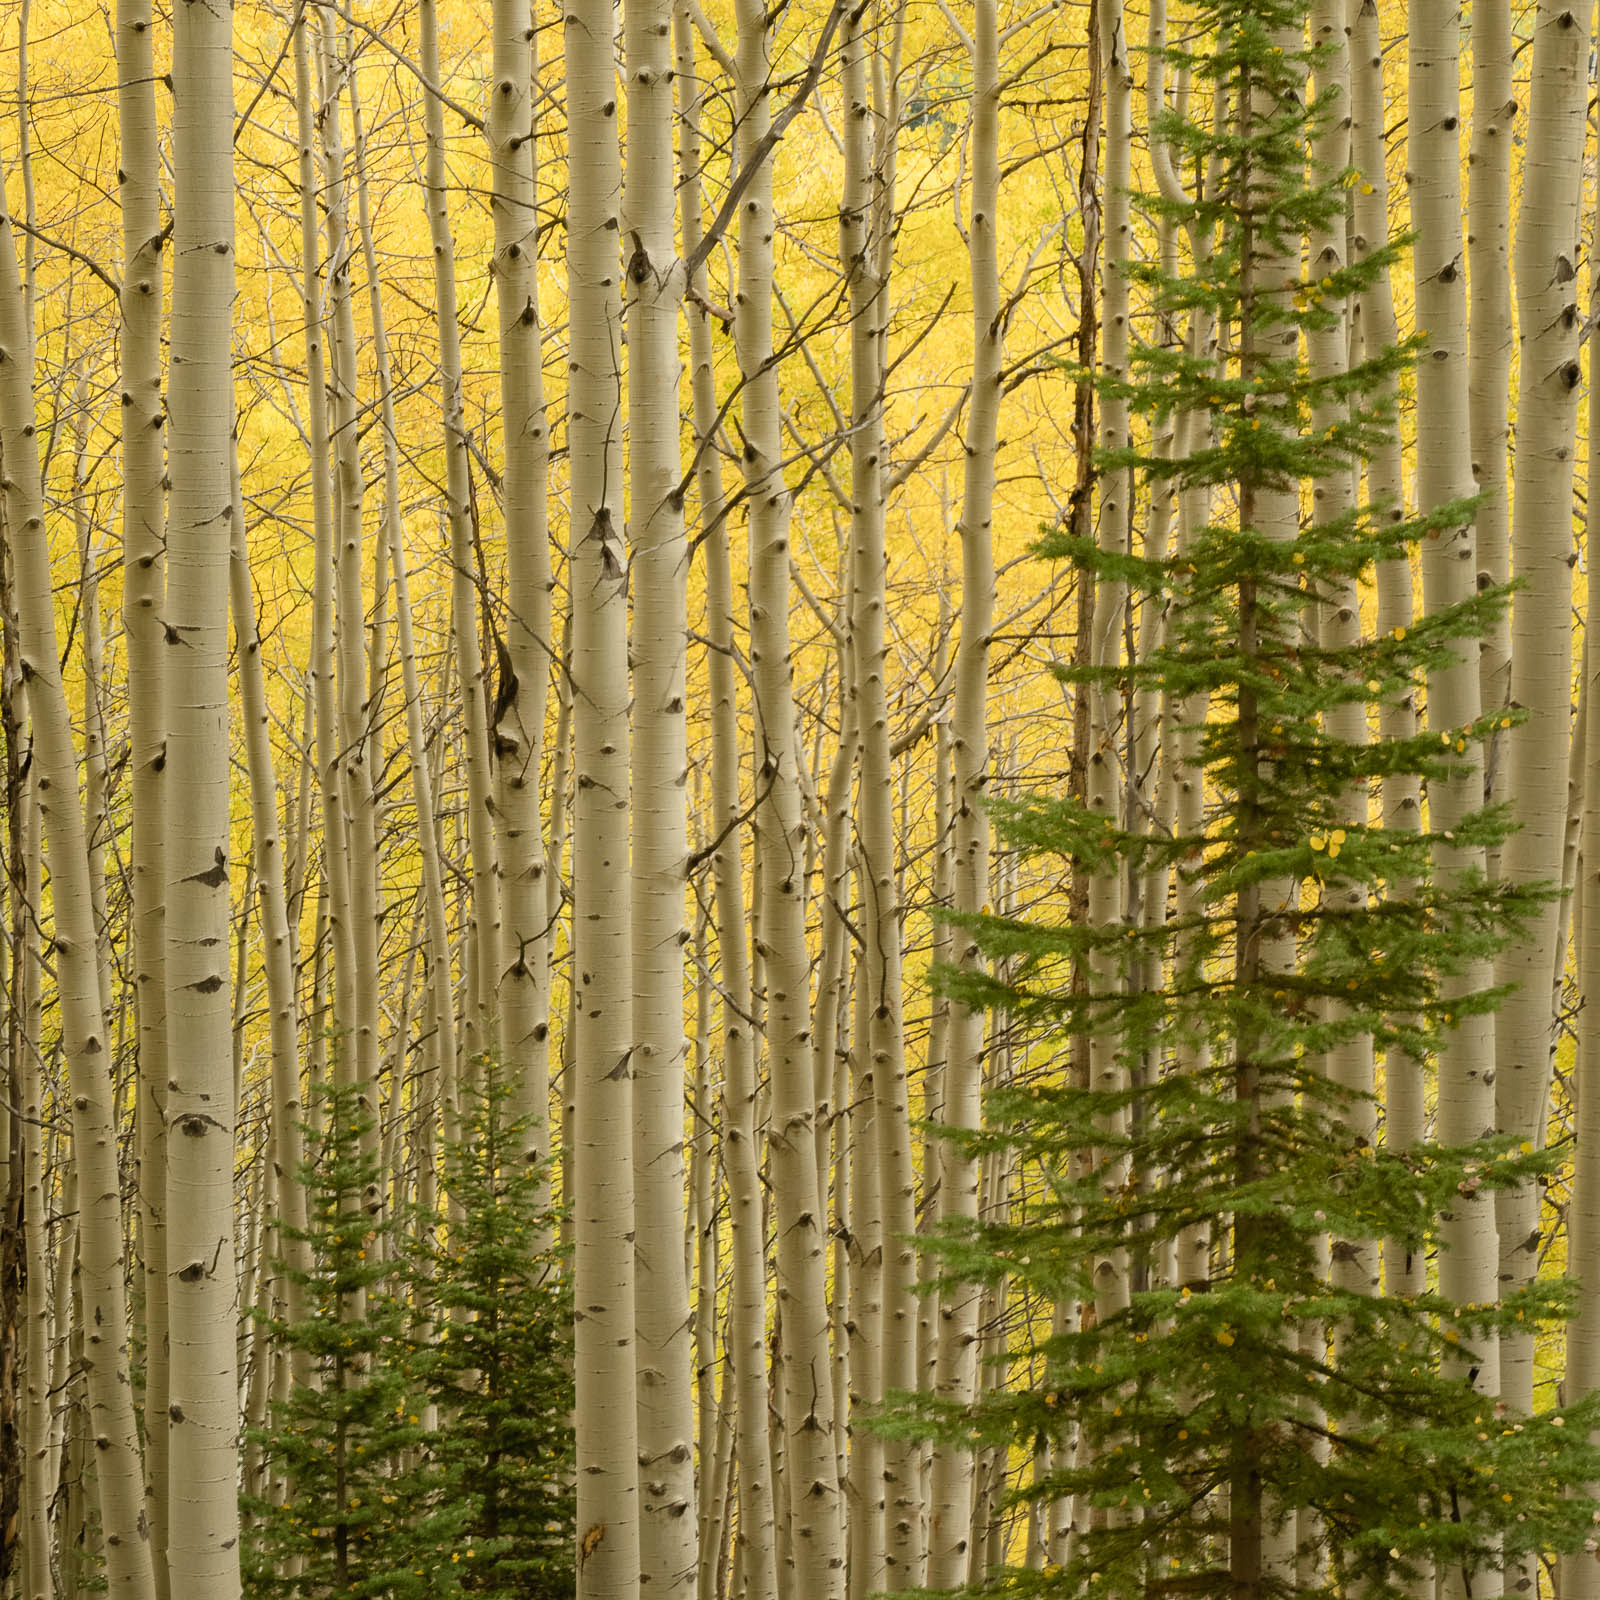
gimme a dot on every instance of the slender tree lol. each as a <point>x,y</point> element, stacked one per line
<point>601,1128</point>
<point>86,1041</point>
<point>658,560</point>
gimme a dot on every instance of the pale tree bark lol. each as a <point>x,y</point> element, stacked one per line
<point>659,563</point>
<point>1550,343</point>
<point>937,1049</point>
<point>866,1533</point>
<point>277,942</point>
<point>1404,1110</point>
<point>1580,1572</point>
<point>950,1500</point>
<point>703,1253</point>
<point>35,1454</point>
<point>1468,1264</point>
<point>143,590</point>
<point>601,1133</point>
<point>813,1489</point>
<point>1489,336</point>
<point>96,770</point>
<point>523,977</point>
<point>419,760</point>
<point>746,1389</point>
<point>483,963</point>
<point>85,1042</point>
<point>864,210</point>
<point>1107,1070</point>
<point>324,690</point>
<point>203,1533</point>
<point>359,1047</point>
<point>1355,1262</point>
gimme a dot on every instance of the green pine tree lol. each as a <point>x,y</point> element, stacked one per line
<point>497,1358</point>
<point>1212,1412</point>
<point>366,1514</point>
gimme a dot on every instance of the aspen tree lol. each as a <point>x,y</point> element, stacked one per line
<point>956,1376</point>
<point>324,690</point>
<point>1580,1574</point>
<point>523,978</point>
<point>85,1042</point>
<point>1468,1266</point>
<point>1103,791</point>
<point>745,1392</point>
<point>1355,1262</point>
<point>282,1003</point>
<point>659,562</point>
<point>352,771</point>
<point>1404,1270</point>
<point>1550,343</point>
<point>866,1530</point>
<point>419,759</point>
<point>483,963</point>
<point>1489,334</point>
<point>813,1490</point>
<point>703,1248</point>
<point>203,1533</point>
<point>865,210</point>
<point>143,590</point>
<point>833,993</point>
<point>601,1130</point>
<point>96,776</point>
<point>34,1453</point>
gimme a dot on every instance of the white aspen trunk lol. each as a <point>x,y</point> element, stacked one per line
<point>813,1488</point>
<point>936,1051</point>
<point>1489,336</point>
<point>35,1453</point>
<point>143,591</point>
<point>96,777</point>
<point>843,1215</point>
<point>277,942</point>
<point>85,1043</point>
<point>746,1390</point>
<point>523,978</point>
<point>324,690</point>
<point>392,540</point>
<point>866,1533</point>
<point>483,964</point>
<point>950,1498</point>
<point>833,956</point>
<point>1468,1265</point>
<point>1355,1262</point>
<point>703,1254</point>
<point>1404,1110</point>
<point>1551,373</point>
<point>659,562</point>
<point>859,214</point>
<point>1107,1070</point>
<point>1580,1572</point>
<point>602,1131</point>
<point>359,1048</point>
<point>203,1439</point>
